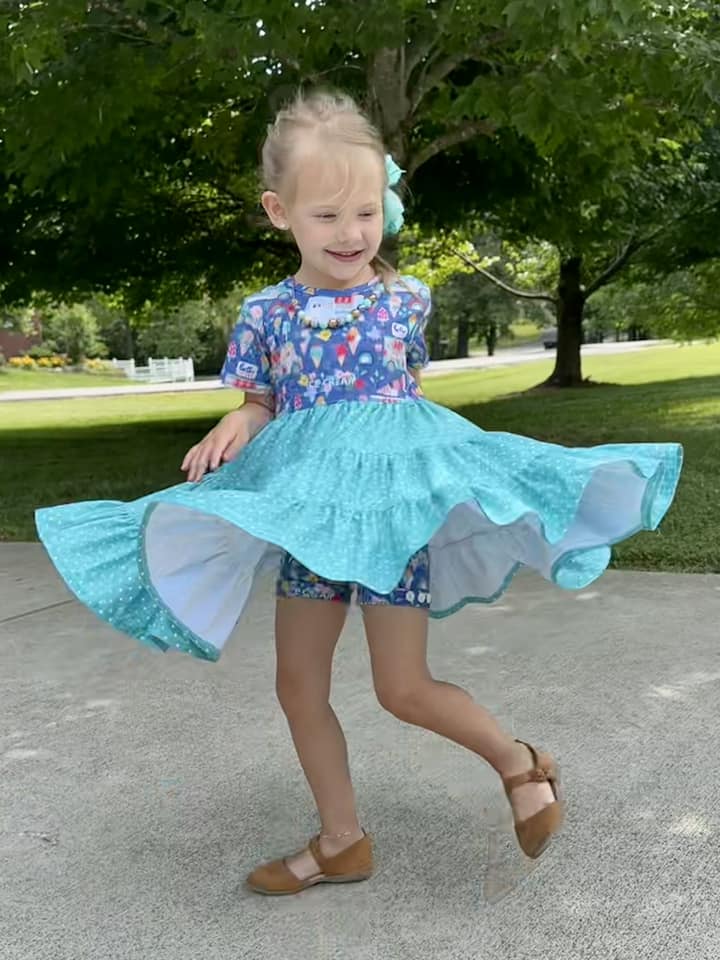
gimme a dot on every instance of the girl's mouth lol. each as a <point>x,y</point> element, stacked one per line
<point>346,257</point>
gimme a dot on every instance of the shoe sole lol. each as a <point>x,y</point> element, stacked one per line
<point>353,878</point>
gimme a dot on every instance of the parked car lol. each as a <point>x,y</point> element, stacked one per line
<point>549,338</point>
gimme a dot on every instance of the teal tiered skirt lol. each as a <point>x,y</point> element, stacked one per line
<point>352,491</point>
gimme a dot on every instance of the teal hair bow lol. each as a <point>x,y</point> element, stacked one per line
<point>393,209</point>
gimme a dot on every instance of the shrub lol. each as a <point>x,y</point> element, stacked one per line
<point>40,351</point>
<point>96,365</point>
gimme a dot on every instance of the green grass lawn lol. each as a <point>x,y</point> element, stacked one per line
<point>522,333</point>
<point>55,380</point>
<point>123,447</point>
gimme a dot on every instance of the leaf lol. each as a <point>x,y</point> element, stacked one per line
<point>626,9</point>
<point>514,11</point>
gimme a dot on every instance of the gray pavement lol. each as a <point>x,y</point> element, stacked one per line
<point>503,358</point>
<point>139,788</point>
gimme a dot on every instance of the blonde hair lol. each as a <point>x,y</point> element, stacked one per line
<point>339,119</point>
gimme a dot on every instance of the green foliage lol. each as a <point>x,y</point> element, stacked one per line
<point>114,325</point>
<point>682,306</point>
<point>40,351</point>
<point>18,320</point>
<point>129,133</point>
<point>689,303</point>
<point>467,304</point>
<point>197,329</point>
<point>474,309</point>
<point>72,330</point>
<point>139,174</point>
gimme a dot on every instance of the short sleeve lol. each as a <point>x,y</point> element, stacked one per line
<point>420,306</point>
<point>247,362</point>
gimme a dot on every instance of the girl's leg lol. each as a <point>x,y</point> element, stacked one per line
<point>397,638</point>
<point>307,632</point>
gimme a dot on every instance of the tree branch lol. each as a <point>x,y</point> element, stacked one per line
<point>432,75</point>
<point>520,294</point>
<point>422,50</point>
<point>108,31</point>
<point>436,70</point>
<point>615,267</point>
<point>635,244</point>
<point>115,10</point>
<point>386,88</point>
<point>449,139</point>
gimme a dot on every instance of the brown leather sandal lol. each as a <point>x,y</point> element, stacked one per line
<point>535,832</point>
<point>353,864</point>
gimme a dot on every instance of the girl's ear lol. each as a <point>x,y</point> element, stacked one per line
<point>274,209</point>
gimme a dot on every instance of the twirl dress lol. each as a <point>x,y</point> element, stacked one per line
<point>356,473</point>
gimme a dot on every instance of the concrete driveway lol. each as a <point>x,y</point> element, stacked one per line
<point>139,788</point>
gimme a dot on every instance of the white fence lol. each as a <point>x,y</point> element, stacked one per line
<point>163,370</point>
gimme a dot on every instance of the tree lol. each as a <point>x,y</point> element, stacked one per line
<point>682,305</point>
<point>145,116</point>
<point>197,329</point>
<point>72,330</point>
<point>656,209</point>
<point>687,305</point>
<point>465,304</point>
<point>114,325</point>
<point>139,174</point>
<point>478,310</point>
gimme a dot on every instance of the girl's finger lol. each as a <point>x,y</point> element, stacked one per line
<point>202,456</point>
<point>216,456</point>
<point>195,454</point>
<point>196,458</point>
<point>196,470</point>
<point>185,465</point>
<point>233,449</point>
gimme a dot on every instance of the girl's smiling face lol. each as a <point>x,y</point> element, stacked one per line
<point>331,201</point>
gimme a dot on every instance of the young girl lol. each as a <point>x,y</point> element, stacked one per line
<point>337,474</point>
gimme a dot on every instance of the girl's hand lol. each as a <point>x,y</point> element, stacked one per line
<point>221,444</point>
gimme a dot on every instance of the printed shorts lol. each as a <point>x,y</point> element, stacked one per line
<point>295,580</point>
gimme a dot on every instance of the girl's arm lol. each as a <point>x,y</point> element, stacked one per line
<point>229,436</point>
<point>260,409</point>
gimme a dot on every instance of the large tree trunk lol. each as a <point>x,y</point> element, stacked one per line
<point>463,339</point>
<point>434,342</point>
<point>388,101</point>
<point>570,306</point>
<point>491,338</point>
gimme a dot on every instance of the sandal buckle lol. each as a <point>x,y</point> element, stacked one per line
<point>538,775</point>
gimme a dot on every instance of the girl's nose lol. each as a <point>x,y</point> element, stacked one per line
<point>342,229</point>
<point>346,230</point>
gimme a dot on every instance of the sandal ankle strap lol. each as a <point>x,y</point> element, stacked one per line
<point>538,773</point>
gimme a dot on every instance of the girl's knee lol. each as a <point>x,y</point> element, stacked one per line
<point>296,696</point>
<point>406,700</point>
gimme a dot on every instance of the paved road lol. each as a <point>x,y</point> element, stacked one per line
<point>139,788</point>
<point>503,358</point>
